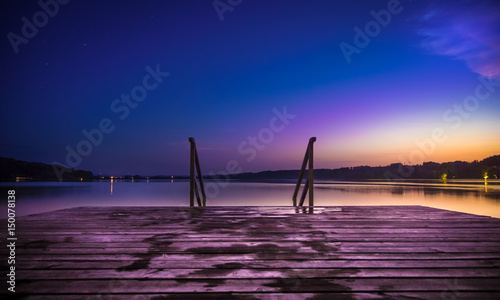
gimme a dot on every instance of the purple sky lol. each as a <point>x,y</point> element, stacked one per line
<point>420,84</point>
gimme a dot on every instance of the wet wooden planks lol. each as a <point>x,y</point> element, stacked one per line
<point>353,252</point>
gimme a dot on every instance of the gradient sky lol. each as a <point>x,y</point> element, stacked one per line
<point>229,70</point>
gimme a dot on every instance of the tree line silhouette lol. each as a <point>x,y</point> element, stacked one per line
<point>12,170</point>
<point>18,170</point>
<point>489,167</point>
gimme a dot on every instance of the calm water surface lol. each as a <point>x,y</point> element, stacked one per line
<point>471,196</point>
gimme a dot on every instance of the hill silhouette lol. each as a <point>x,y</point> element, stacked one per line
<point>12,169</point>
<point>429,170</point>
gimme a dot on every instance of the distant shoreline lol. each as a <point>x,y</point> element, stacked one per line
<point>12,170</point>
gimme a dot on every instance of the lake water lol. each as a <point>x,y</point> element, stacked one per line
<point>471,196</point>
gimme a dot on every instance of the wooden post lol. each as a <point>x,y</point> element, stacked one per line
<point>311,171</point>
<point>194,163</point>
<point>301,176</point>
<point>200,178</point>
<point>304,193</point>
<point>309,186</point>
<point>191,172</point>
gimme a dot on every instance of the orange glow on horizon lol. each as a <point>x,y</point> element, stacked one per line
<point>381,150</point>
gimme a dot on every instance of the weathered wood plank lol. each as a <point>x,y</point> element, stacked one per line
<point>272,256</point>
<point>445,294</point>
<point>68,240</point>
<point>272,249</point>
<point>246,273</point>
<point>160,263</point>
<point>242,248</point>
<point>258,285</point>
<point>351,252</point>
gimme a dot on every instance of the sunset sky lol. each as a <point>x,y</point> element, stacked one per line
<point>376,82</point>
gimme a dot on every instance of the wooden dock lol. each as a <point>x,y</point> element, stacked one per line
<point>349,252</point>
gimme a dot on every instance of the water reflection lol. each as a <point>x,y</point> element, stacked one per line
<point>477,197</point>
<point>304,210</point>
<point>111,186</point>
